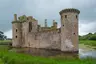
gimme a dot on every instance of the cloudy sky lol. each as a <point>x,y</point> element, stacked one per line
<point>47,9</point>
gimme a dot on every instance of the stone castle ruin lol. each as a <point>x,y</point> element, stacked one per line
<point>28,33</point>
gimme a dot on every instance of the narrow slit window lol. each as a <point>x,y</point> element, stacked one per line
<point>16,30</point>
<point>35,37</point>
<point>27,19</point>
<point>65,16</point>
<point>74,33</point>
<point>76,16</point>
<point>16,36</point>
<point>30,26</point>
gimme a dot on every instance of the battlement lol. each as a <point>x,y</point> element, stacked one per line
<point>69,10</point>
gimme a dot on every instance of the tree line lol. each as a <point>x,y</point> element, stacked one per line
<point>88,36</point>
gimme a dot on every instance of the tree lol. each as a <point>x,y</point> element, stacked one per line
<point>2,36</point>
<point>88,36</point>
<point>93,37</point>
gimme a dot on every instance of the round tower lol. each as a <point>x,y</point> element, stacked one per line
<point>16,32</point>
<point>69,29</point>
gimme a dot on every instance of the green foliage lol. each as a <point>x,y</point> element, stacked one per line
<point>89,36</point>
<point>2,36</point>
<point>88,42</point>
<point>16,22</point>
<point>92,37</point>
<point>5,42</point>
<point>1,62</point>
<point>18,58</point>
<point>22,18</point>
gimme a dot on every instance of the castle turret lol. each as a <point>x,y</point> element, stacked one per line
<point>45,22</point>
<point>69,29</point>
<point>54,24</point>
<point>16,32</point>
<point>15,17</point>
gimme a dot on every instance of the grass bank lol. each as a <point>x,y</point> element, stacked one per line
<point>88,42</point>
<point>15,58</point>
<point>1,62</point>
<point>5,41</point>
<point>18,58</point>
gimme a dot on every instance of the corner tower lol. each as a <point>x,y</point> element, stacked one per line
<point>16,32</point>
<point>69,29</point>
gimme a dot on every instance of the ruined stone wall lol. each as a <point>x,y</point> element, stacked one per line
<point>27,33</point>
<point>47,40</point>
<point>16,32</point>
<point>25,29</point>
<point>69,29</point>
<point>34,26</point>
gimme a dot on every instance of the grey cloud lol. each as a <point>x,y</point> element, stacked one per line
<point>46,9</point>
<point>7,9</point>
<point>87,8</point>
<point>87,28</point>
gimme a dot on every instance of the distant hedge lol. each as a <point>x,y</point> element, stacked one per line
<point>89,36</point>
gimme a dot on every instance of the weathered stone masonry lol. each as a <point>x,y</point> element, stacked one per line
<point>27,32</point>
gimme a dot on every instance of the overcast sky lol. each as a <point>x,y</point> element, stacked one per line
<point>47,9</point>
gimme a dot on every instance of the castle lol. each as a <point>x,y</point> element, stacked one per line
<point>28,33</point>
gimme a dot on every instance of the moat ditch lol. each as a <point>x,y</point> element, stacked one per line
<point>83,52</point>
<point>51,53</point>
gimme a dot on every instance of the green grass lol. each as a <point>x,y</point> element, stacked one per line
<point>5,41</point>
<point>1,62</point>
<point>19,58</point>
<point>88,42</point>
<point>15,58</point>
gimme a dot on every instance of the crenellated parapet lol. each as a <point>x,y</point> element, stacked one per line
<point>69,10</point>
<point>30,18</point>
<point>22,19</point>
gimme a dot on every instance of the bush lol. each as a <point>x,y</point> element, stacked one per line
<point>88,42</point>
<point>89,36</point>
<point>17,58</point>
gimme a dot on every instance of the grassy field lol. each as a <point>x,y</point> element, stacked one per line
<point>5,41</point>
<point>18,58</point>
<point>10,57</point>
<point>1,62</point>
<point>88,42</point>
